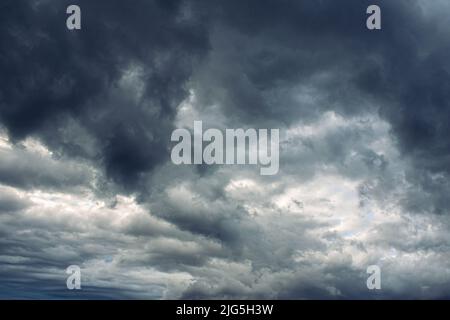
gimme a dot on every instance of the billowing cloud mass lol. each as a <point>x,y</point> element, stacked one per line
<point>86,177</point>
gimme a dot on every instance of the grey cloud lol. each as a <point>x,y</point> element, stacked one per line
<point>11,202</point>
<point>51,75</point>
<point>105,100</point>
<point>274,63</point>
<point>25,169</point>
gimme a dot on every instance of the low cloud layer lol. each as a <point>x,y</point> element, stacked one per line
<point>85,171</point>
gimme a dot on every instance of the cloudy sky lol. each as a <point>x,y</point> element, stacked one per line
<point>85,170</point>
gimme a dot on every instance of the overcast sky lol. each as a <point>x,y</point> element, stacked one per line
<point>85,170</point>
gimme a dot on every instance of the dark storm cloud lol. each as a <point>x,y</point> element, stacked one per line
<point>268,55</point>
<point>50,75</point>
<point>271,62</point>
<point>278,62</point>
<point>107,96</point>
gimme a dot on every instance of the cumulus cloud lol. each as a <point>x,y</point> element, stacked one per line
<point>86,118</point>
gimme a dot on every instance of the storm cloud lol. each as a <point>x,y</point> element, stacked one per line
<point>86,178</point>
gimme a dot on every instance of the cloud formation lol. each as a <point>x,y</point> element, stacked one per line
<point>86,177</point>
